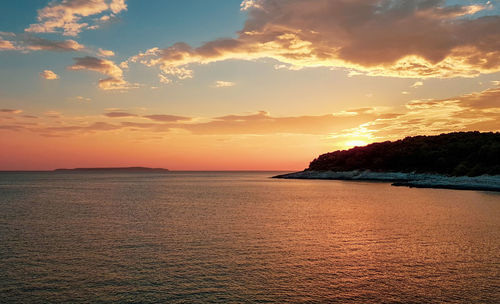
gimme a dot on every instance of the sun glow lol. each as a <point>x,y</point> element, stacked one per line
<point>355,143</point>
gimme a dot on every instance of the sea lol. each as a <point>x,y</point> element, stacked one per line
<point>242,237</point>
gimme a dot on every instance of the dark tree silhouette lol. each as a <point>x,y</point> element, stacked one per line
<point>455,154</point>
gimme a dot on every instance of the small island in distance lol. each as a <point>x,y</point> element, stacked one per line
<point>114,169</point>
<point>459,160</point>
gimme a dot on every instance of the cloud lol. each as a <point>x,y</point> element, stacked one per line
<point>52,114</point>
<point>119,114</point>
<point>13,111</point>
<point>93,127</point>
<point>414,38</point>
<point>248,4</point>
<point>83,99</point>
<point>475,111</point>
<point>6,45</point>
<point>69,15</point>
<point>105,53</point>
<point>32,43</point>
<point>262,123</point>
<point>102,66</point>
<point>117,6</point>
<point>224,84</point>
<point>417,84</point>
<point>115,80</point>
<point>166,118</point>
<point>49,75</point>
<point>115,84</point>
<point>41,44</point>
<point>164,79</point>
<point>478,111</point>
<point>11,128</point>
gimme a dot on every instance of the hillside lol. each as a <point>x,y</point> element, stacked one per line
<point>452,154</point>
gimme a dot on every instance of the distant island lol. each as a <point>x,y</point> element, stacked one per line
<point>114,169</point>
<point>459,160</point>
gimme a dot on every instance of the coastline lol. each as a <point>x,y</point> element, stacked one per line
<point>113,169</point>
<point>412,180</point>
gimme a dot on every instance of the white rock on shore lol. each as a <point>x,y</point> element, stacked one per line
<point>483,182</point>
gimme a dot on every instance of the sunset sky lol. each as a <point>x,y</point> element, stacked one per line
<point>232,85</point>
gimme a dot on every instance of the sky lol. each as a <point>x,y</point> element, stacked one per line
<point>238,85</point>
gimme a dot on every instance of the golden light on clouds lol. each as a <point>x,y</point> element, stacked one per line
<point>310,76</point>
<point>224,84</point>
<point>6,45</point>
<point>105,53</point>
<point>432,41</point>
<point>115,80</point>
<point>67,15</point>
<point>49,75</point>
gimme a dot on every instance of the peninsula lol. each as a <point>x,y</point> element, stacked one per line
<point>459,160</point>
<point>114,169</point>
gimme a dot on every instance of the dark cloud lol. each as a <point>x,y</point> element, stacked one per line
<point>166,118</point>
<point>10,111</point>
<point>41,44</point>
<point>119,114</point>
<point>115,80</point>
<point>414,38</point>
<point>94,127</point>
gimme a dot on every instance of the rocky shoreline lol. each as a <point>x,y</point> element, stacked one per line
<point>417,180</point>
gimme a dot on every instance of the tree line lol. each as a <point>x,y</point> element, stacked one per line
<point>454,154</point>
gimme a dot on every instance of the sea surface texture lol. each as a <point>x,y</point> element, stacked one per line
<point>196,237</point>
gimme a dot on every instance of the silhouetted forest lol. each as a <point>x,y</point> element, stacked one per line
<point>456,154</point>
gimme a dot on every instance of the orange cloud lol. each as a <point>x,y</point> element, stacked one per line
<point>261,123</point>
<point>416,39</point>
<point>417,84</point>
<point>66,15</point>
<point>14,111</point>
<point>96,126</point>
<point>251,140</point>
<point>115,80</point>
<point>83,99</point>
<point>105,53</point>
<point>119,114</point>
<point>40,44</point>
<point>166,118</point>
<point>6,45</point>
<point>476,111</point>
<point>102,66</point>
<point>49,75</point>
<point>32,43</point>
<point>224,84</point>
<point>114,84</point>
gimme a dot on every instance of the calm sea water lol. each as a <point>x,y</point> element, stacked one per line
<point>242,238</point>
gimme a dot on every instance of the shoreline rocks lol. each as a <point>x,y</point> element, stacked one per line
<point>417,180</point>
